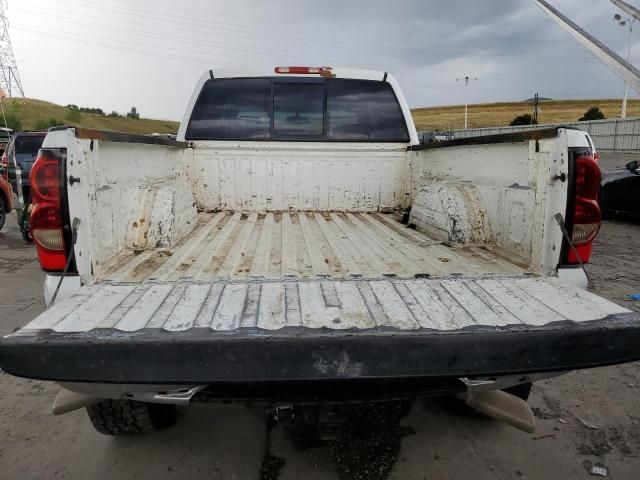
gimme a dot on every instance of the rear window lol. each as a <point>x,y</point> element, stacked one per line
<point>232,109</point>
<point>298,110</point>
<point>28,144</point>
<point>302,109</point>
<point>364,111</point>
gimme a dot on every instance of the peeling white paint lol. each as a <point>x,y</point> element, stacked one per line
<point>294,234</point>
<point>407,305</point>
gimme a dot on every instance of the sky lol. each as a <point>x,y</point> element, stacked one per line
<point>115,54</point>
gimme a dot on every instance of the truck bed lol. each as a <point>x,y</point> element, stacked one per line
<point>300,296</point>
<point>254,245</point>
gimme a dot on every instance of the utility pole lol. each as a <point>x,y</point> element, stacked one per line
<point>536,109</point>
<point>466,79</point>
<point>9,77</point>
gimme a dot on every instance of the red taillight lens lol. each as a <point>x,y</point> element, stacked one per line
<point>45,180</point>
<point>586,212</point>
<point>45,221</point>
<point>583,250</point>
<point>587,177</point>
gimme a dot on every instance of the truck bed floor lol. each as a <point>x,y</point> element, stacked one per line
<point>242,246</point>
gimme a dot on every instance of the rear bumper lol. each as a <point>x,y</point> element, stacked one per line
<point>202,356</point>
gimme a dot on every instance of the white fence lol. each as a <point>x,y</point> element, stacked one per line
<point>615,135</point>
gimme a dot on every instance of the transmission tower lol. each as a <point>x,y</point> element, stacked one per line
<point>9,77</point>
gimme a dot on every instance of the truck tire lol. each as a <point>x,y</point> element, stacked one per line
<point>130,417</point>
<point>521,391</point>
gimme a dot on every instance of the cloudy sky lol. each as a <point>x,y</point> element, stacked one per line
<point>115,54</point>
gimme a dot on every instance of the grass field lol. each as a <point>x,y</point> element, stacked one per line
<point>500,114</point>
<point>30,111</point>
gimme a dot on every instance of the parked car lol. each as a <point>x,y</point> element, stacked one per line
<point>262,258</point>
<point>5,138</point>
<point>20,156</point>
<point>620,191</point>
<point>5,199</point>
<point>21,153</point>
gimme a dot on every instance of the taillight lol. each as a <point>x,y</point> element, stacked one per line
<point>587,217</point>
<point>46,220</point>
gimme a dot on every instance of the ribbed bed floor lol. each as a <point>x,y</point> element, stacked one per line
<point>242,246</point>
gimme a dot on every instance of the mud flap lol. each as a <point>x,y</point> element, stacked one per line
<point>502,406</point>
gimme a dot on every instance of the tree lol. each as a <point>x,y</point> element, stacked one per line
<point>133,113</point>
<point>594,113</point>
<point>13,122</point>
<point>523,120</point>
<point>114,114</point>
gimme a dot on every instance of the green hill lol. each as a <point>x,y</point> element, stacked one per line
<point>38,113</point>
<point>35,114</point>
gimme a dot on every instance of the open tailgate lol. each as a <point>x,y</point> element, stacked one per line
<point>185,332</point>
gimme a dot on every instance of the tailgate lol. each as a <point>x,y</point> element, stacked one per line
<point>323,329</point>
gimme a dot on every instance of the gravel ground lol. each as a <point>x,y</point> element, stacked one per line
<point>587,417</point>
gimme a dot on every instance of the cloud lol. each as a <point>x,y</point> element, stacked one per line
<point>147,53</point>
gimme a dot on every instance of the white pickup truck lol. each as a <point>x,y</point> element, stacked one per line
<point>297,245</point>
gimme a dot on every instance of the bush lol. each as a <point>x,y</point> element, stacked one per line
<point>13,122</point>
<point>76,108</point>
<point>43,124</point>
<point>133,114</point>
<point>97,111</point>
<point>523,120</point>
<point>73,116</point>
<point>594,113</point>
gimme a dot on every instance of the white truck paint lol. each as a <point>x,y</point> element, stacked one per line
<point>217,240</point>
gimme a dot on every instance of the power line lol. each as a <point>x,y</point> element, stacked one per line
<point>9,76</point>
<point>273,34</point>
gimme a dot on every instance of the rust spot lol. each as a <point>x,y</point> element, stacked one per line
<point>135,224</point>
<point>142,220</point>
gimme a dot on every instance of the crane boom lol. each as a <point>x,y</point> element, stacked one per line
<point>630,9</point>
<point>612,60</point>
